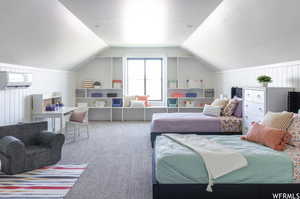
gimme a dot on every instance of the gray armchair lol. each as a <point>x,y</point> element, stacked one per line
<point>25,147</point>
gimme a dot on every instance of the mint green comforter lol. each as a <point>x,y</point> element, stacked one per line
<point>175,164</point>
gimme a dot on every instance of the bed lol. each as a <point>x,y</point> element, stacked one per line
<point>198,123</point>
<point>178,172</point>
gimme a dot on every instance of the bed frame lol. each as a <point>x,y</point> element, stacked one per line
<point>222,191</point>
<point>155,134</point>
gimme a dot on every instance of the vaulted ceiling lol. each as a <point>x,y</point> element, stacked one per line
<point>142,22</point>
<point>43,33</point>
<point>226,34</point>
<point>244,33</point>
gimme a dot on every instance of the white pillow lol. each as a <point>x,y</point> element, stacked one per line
<point>220,102</point>
<point>212,110</point>
<point>137,104</point>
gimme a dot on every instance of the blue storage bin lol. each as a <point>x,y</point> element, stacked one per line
<point>117,102</point>
<point>96,95</point>
<point>172,102</point>
<point>191,94</point>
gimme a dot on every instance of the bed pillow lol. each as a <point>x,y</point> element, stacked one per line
<point>274,138</point>
<point>230,107</point>
<point>220,102</point>
<point>137,104</point>
<point>212,110</point>
<point>294,130</point>
<point>78,116</point>
<point>280,120</point>
<point>238,112</point>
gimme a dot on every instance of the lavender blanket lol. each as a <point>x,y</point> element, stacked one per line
<point>184,122</point>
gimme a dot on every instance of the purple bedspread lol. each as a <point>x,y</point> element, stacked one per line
<point>184,122</point>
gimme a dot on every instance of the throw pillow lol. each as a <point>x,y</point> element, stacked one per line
<point>230,107</point>
<point>280,120</point>
<point>294,130</point>
<point>78,116</point>
<point>211,110</point>
<point>143,98</point>
<point>271,137</point>
<point>137,104</point>
<point>220,102</point>
<point>238,112</point>
<point>127,100</point>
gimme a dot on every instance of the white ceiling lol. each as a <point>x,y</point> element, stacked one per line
<point>244,33</point>
<point>144,23</point>
<point>44,34</point>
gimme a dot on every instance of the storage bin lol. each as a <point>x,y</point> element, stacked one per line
<point>96,95</point>
<point>117,84</point>
<point>177,94</point>
<point>172,102</point>
<point>191,94</point>
<point>117,102</point>
<point>112,94</point>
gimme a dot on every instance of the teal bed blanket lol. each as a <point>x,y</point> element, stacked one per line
<point>176,164</point>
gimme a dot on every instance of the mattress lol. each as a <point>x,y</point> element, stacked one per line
<point>176,164</point>
<point>194,122</point>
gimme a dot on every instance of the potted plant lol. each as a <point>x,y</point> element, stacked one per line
<point>264,80</point>
<point>97,84</point>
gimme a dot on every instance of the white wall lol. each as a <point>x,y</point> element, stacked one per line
<point>283,74</point>
<point>243,33</point>
<point>44,34</point>
<point>98,69</point>
<point>15,104</point>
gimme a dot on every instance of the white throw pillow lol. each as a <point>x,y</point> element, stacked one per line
<point>137,104</point>
<point>220,102</point>
<point>212,110</point>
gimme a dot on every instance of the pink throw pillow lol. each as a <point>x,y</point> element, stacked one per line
<point>143,98</point>
<point>274,138</point>
<point>77,116</point>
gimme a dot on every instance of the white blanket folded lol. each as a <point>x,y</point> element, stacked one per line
<point>218,159</point>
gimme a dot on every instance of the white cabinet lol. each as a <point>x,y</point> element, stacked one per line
<point>258,101</point>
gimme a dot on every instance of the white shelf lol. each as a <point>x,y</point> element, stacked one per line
<point>99,97</point>
<point>191,107</point>
<point>99,88</point>
<point>189,98</point>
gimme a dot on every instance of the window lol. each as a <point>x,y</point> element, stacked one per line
<point>144,77</point>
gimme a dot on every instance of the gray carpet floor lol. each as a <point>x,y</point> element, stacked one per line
<point>119,161</point>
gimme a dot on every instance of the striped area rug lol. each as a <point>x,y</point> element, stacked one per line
<point>48,182</point>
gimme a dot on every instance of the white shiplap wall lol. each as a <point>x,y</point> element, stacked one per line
<point>283,74</point>
<point>15,104</point>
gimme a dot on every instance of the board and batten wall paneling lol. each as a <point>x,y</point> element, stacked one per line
<point>283,75</point>
<point>15,104</point>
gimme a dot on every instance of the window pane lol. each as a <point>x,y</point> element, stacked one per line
<point>136,74</point>
<point>135,87</point>
<point>135,77</point>
<point>153,68</point>
<point>154,89</point>
<point>154,79</point>
<point>135,69</point>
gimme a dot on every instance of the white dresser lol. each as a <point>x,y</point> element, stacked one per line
<point>260,100</point>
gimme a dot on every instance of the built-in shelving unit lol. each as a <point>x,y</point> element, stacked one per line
<point>186,91</point>
<point>101,106</point>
